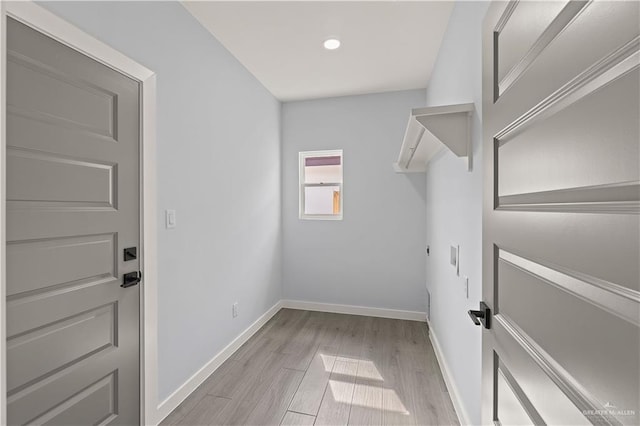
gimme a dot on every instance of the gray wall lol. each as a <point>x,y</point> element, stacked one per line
<point>218,166</point>
<point>374,257</point>
<point>454,208</point>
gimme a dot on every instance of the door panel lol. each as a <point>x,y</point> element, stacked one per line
<point>60,261</point>
<point>96,404</point>
<point>72,207</point>
<point>546,67</point>
<point>534,159</point>
<point>45,179</point>
<point>59,98</point>
<point>561,237</point>
<point>513,406</point>
<point>541,384</point>
<point>35,354</point>
<point>601,368</point>
<point>523,27</point>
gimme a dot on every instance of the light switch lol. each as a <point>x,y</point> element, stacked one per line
<point>170,216</point>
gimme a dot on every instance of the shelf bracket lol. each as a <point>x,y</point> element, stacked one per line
<point>431,129</point>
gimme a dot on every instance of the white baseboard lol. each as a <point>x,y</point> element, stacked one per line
<point>355,310</point>
<point>168,405</point>
<point>461,412</point>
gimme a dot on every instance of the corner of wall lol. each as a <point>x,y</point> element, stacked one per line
<point>455,217</point>
<point>281,176</point>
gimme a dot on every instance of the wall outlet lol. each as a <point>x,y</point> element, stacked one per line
<point>234,310</point>
<point>465,286</point>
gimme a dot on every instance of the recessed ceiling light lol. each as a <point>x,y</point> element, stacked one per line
<point>331,44</point>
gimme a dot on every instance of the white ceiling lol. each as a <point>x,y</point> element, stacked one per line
<point>386,45</point>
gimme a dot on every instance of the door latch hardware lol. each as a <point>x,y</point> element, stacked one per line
<point>130,253</point>
<point>483,316</point>
<point>131,279</point>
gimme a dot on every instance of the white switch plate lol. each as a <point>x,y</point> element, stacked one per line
<point>170,216</point>
<point>455,258</point>
<point>234,309</point>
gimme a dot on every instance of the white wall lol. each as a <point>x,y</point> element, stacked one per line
<point>454,208</point>
<point>375,256</point>
<point>218,166</point>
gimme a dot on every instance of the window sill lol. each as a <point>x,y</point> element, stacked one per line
<point>319,217</point>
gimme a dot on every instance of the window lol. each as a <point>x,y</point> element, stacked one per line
<point>321,185</point>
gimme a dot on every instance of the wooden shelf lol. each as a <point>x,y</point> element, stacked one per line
<point>430,130</point>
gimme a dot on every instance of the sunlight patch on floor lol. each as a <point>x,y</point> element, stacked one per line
<point>327,361</point>
<point>368,370</point>
<point>342,392</point>
<point>393,403</point>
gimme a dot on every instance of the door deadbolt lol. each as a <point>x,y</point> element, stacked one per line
<point>130,253</point>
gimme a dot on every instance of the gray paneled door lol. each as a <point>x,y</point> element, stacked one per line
<point>561,225</point>
<point>72,207</point>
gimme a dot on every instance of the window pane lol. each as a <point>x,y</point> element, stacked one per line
<point>325,160</point>
<point>320,182</point>
<point>323,174</point>
<point>322,200</point>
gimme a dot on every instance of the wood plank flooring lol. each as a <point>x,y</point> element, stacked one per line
<point>306,368</point>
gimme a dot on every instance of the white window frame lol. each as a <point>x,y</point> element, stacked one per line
<point>302,156</point>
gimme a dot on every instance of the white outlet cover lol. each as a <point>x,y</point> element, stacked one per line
<point>170,218</point>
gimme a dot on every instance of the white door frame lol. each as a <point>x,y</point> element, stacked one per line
<point>46,22</point>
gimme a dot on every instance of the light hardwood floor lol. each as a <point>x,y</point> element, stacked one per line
<point>305,368</point>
